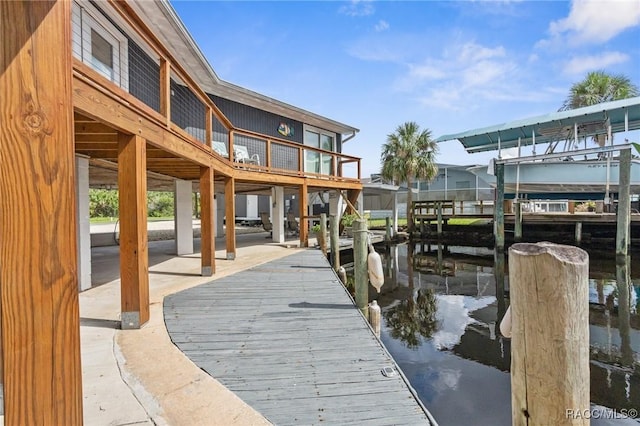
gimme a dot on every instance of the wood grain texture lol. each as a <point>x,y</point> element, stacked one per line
<point>207,225</point>
<point>286,338</point>
<point>38,263</point>
<point>230,214</point>
<point>550,328</point>
<point>304,224</point>
<point>134,259</point>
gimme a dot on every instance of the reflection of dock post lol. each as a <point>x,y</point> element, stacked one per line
<point>624,312</point>
<point>498,272</point>
<point>517,226</point>
<point>360,265</point>
<point>498,215</point>
<point>549,286</point>
<point>439,215</point>
<point>578,233</point>
<point>335,242</point>
<point>387,227</point>
<point>624,205</point>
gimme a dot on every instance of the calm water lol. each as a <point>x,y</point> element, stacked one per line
<point>440,323</point>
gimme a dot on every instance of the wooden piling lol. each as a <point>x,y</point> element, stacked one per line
<point>387,235</point>
<point>550,327</point>
<point>624,205</point>
<point>360,265</point>
<point>578,233</point>
<point>498,222</point>
<point>322,238</point>
<point>517,226</point>
<point>439,215</point>
<point>335,242</point>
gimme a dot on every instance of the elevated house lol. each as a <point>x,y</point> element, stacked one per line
<point>118,94</point>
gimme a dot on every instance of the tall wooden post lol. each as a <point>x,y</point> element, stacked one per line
<point>498,215</point>
<point>578,233</point>
<point>624,205</point>
<point>550,327</point>
<point>323,233</point>
<point>40,317</point>
<point>230,216</point>
<point>335,242</point>
<point>304,224</point>
<point>134,258</point>
<point>387,227</point>
<point>360,265</point>
<point>207,225</point>
<point>517,225</point>
<point>439,216</point>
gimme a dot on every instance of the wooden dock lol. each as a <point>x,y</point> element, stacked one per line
<point>287,338</point>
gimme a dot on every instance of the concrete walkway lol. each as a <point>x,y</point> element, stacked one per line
<point>138,377</point>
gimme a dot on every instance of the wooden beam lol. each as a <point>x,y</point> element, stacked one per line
<point>38,264</point>
<point>207,224</point>
<point>230,216</point>
<point>304,224</point>
<point>134,261</point>
<point>165,90</point>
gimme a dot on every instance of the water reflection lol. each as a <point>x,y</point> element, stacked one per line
<point>441,306</point>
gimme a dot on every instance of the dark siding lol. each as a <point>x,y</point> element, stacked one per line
<point>241,205</point>
<point>187,111</point>
<point>263,203</point>
<point>256,120</point>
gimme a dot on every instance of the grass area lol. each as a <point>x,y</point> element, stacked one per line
<point>107,220</point>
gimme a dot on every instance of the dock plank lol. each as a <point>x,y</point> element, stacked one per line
<point>287,339</point>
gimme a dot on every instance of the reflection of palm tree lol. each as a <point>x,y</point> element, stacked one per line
<point>411,318</point>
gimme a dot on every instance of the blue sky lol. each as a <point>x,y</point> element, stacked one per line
<point>450,66</point>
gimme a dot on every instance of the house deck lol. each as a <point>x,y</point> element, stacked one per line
<point>286,337</point>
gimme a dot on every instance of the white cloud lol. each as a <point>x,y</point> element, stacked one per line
<point>382,25</point>
<point>595,21</point>
<point>581,64</point>
<point>358,8</point>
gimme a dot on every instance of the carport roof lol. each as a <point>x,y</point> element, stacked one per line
<point>622,115</point>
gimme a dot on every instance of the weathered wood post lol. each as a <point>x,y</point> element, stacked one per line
<point>439,216</point>
<point>517,225</point>
<point>387,235</point>
<point>550,328</point>
<point>624,205</point>
<point>360,265</point>
<point>578,233</point>
<point>322,238</point>
<point>335,242</point>
<point>498,211</point>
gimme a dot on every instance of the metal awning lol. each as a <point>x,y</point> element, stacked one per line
<point>622,116</point>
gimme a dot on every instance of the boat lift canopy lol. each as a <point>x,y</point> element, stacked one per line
<point>604,118</point>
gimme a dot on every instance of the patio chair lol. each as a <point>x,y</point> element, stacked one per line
<point>266,222</point>
<point>241,155</point>
<point>221,148</point>
<point>292,224</point>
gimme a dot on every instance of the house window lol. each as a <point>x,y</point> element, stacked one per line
<point>317,162</point>
<point>99,44</point>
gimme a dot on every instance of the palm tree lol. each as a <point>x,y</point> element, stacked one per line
<point>598,87</point>
<point>409,154</point>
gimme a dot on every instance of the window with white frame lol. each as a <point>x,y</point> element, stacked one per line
<point>317,162</point>
<point>99,44</point>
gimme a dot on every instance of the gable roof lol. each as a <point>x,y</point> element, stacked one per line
<point>623,115</point>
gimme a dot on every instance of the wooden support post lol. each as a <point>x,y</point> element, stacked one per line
<point>578,233</point>
<point>550,327</point>
<point>571,207</point>
<point>207,223</point>
<point>322,238</point>
<point>517,225</point>
<point>165,91</point>
<point>230,216</point>
<point>361,275</point>
<point>387,234</point>
<point>304,224</point>
<point>624,205</point>
<point>439,216</point>
<point>40,316</point>
<point>498,214</point>
<point>335,242</point>
<point>134,257</point>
